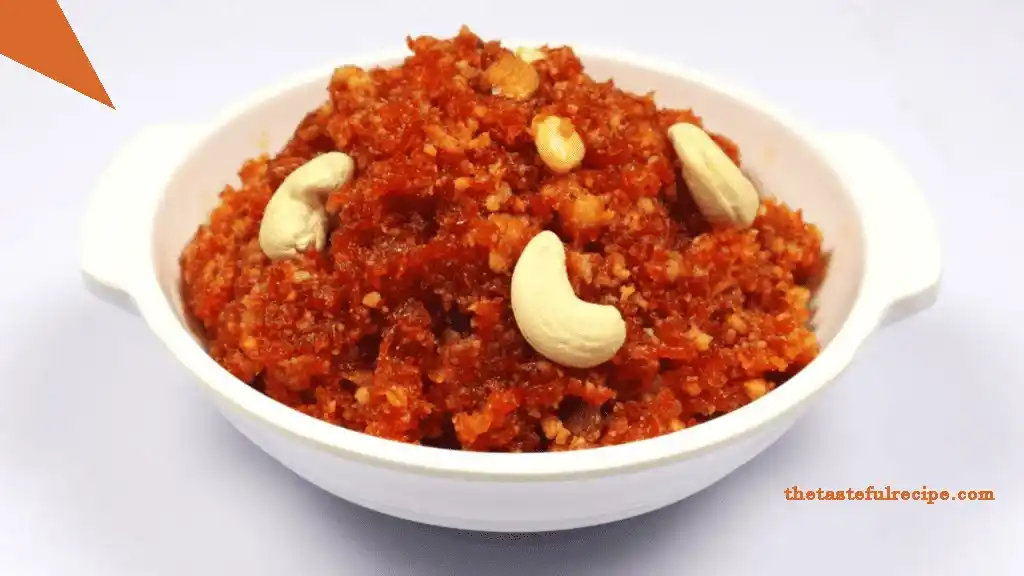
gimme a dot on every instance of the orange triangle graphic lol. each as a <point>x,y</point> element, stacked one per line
<point>36,34</point>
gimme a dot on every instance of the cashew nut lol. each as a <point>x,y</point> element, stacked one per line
<point>558,143</point>
<point>295,219</point>
<point>552,319</point>
<point>720,190</point>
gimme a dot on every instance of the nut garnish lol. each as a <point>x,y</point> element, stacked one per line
<point>552,319</point>
<point>720,190</point>
<point>558,143</point>
<point>511,77</point>
<point>294,219</point>
<point>529,54</point>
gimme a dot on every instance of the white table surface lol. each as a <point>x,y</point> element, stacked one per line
<point>113,462</point>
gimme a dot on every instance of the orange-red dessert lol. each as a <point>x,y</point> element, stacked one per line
<point>402,327</point>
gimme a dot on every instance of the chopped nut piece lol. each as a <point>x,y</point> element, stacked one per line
<point>396,397</point>
<point>755,388</point>
<point>529,54</point>
<point>362,395</point>
<point>701,339</point>
<point>737,324</point>
<point>692,388</point>
<point>550,425</point>
<point>511,77</point>
<point>626,291</point>
<point>497,262</point>
<point>371,300</point>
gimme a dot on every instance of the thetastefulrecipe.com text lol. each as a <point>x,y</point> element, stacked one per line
<point>886,494</point>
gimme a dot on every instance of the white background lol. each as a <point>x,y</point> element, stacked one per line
<point>113,462</point>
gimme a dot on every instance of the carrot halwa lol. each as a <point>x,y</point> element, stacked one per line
<point>401,326</point>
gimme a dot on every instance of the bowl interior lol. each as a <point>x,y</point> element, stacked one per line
<point>781,162</point>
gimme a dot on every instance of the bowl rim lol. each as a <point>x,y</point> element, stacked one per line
<point>158,312</point>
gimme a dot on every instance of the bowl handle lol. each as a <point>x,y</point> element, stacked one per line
<point>119,213</point>
<point>904,259</point>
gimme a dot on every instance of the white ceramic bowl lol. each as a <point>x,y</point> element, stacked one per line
<point>886,266</point>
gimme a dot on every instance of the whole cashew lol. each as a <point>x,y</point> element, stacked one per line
<point>720,190</point>
<point>295,219</point>
<point>558,143</point>
<point>556,323</point>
